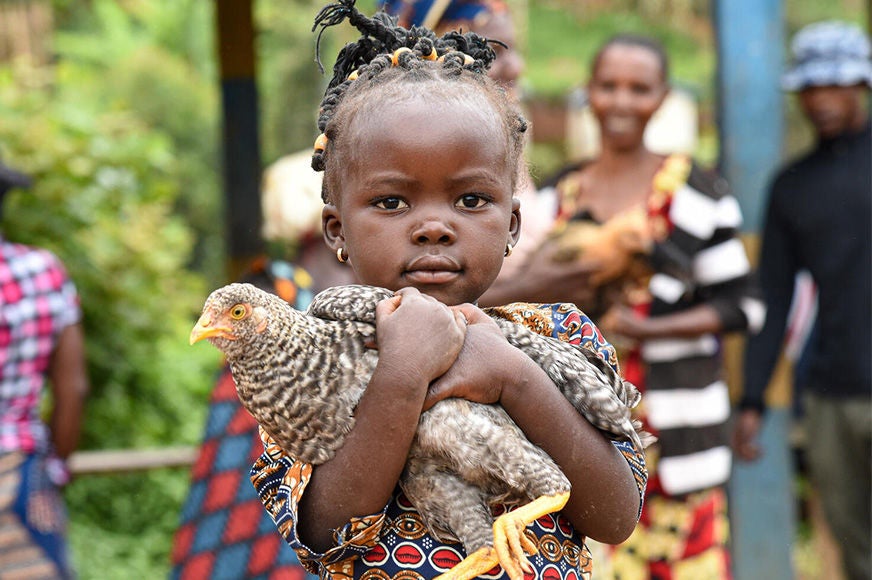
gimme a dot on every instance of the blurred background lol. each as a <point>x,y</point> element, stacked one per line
<point>114,107</point>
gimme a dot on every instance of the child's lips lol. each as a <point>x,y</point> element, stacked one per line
<point>433,269</point>
<point>432,276</point>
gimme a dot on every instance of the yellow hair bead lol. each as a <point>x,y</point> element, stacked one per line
<point>432,56</point>
<point>321,142</point>
<point>395,58</point>
<point>354,74</point>
<point>467,60</point>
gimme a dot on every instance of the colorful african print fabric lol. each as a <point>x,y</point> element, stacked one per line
<point>685,539</point>
<point>33,520</point>
<point>415,12</point>
<point>224,531</point>
<point>395,544</point>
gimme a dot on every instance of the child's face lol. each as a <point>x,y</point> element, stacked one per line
<point>426,197</point>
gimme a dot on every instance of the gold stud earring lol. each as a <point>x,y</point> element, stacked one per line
<point>340,255</point>
<point>508,250</point>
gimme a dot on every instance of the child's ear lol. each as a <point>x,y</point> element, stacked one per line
<point>515,224</point>
<point>331,226</point>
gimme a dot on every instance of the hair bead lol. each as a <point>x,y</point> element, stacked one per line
<point>354,74</point>
<point>456,54</point>
<point>395,58</point>
<point>321,142</point>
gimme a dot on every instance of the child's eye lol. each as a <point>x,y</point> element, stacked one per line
<point>391,203</point>
<point>471,201</point>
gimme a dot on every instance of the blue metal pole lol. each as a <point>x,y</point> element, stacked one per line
<point>750,41</point>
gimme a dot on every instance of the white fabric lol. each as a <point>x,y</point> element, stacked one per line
<point>666,288</point>
<point>696,471</point>
<point>729,213</point>
<point>755,312</point>
<point>694,212</point>
<point>671,349</point>
<point>721,263</point>
<point>688,407</point>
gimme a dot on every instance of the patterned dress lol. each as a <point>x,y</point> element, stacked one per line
<point>37,302</point>
<point>395,543</point>
<point>224,531</point>
<point>697,259</point>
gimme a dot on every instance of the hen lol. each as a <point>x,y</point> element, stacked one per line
<point>302,374</point>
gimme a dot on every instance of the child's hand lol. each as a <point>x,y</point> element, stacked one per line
<point>417,334</point>
<point>483,366</point>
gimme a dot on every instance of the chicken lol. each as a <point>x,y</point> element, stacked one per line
<point>618,248</point>
<point>301,376</point>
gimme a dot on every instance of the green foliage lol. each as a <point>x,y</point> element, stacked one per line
<point>106,185</point>
<point>154,59</point>
<point>143,511</point>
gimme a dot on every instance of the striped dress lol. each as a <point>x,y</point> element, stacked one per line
<point>697,259</point>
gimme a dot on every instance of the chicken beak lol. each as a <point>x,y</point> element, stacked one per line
<point>206,329</point>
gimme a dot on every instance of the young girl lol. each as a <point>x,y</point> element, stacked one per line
<point>420,151</point>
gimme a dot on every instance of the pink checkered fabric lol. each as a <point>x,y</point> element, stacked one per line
<point>37,301</point>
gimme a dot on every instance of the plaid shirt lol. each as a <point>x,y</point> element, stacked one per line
<point>37,301</point>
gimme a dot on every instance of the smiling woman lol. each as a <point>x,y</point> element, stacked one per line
<point>669,277</point>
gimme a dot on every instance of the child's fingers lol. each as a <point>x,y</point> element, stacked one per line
<point>388,305</point>
<point>472,313</point>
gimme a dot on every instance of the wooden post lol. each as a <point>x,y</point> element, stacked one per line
<point>242,164</point>
<point>750,41</point>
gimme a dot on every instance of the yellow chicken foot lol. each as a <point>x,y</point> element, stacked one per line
<point>509,532</point>
<point>511,545</point>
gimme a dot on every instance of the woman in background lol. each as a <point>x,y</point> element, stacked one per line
<point>41,339</point>
<point>670,276</point>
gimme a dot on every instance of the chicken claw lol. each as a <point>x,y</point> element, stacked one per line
<point>511,545</point>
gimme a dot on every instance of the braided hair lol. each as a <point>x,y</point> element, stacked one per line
<point>381,64</point>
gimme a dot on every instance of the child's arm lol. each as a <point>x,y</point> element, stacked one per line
<point>604,502</point>
<point>418,340</point>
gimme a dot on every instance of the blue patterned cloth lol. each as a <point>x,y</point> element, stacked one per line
<point>413,12</point>
<point>829,53</point>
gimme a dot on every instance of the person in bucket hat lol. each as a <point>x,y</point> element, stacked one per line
<point>819,219</point>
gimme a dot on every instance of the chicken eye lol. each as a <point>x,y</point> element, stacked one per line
<point>237,312</point>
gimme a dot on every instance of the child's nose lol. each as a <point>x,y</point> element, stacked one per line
<point>433,231</point>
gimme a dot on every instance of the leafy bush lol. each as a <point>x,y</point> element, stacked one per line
<point>105,189</point>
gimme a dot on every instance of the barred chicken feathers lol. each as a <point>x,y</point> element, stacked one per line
<point>301,376</point>
<point>588,382</point>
